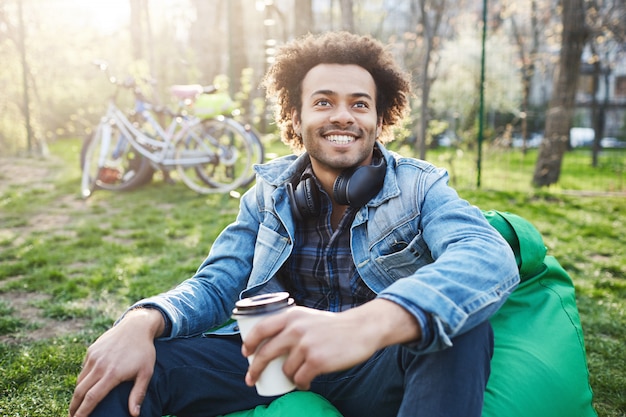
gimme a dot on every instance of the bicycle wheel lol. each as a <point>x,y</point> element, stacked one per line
<point>109,162</point>
<point>214,156</point>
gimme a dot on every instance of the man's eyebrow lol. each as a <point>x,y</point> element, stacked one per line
<point>332,93</point>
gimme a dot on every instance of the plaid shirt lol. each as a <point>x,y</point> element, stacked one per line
<point>320,273</point>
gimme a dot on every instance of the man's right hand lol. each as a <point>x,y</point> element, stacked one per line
<point>124,353</point>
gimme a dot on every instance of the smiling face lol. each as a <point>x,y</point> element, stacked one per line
<point>338,120</point>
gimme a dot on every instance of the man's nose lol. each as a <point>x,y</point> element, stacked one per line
<point>342,116</point>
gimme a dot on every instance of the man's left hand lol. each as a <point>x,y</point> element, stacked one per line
<point>318,342</point>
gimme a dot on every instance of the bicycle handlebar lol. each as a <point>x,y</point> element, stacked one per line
<point>182,92</point>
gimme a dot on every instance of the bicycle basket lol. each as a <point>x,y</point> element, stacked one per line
<point>211,105</point>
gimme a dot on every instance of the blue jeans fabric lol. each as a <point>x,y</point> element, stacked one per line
<point>204,376</point>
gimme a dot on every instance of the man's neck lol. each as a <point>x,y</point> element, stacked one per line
<point>337,214</point>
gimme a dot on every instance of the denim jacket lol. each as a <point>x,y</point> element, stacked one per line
<point>415,243</point>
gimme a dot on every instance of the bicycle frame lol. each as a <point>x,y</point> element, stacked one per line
<point>165,144</point>
<point>209,155</point>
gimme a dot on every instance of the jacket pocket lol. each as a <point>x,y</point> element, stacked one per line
<point>407,258</point>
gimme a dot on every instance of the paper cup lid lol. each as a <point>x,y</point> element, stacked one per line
<point>262,304</point>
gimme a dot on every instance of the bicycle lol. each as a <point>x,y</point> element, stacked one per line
<point>210,155</point>
<point>211,103</point>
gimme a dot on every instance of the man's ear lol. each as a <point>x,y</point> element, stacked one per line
<point>379,127</point>
<point>295,121</point>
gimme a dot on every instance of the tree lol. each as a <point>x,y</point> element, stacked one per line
<point>15,34</point>
<point>528,58</point>
<point>237,39</point>
<point>347,15</point>
<point>561,106</point>
<point>25,73</point>
<point>208,49</point>
<point>456,94</point>
<point>136,28</point>
<point>431,15</point>
<point>607,23</point>
<point>304,19</point>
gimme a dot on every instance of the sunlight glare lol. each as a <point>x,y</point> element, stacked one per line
<point>110,15</point>
<point>106,16</point>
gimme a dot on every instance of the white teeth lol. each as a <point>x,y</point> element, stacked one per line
<point>340,139</point>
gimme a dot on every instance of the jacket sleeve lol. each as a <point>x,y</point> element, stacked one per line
<point>473,269</point>
<point>205,300</point>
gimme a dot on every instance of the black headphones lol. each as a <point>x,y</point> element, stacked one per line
<point>354,187</point>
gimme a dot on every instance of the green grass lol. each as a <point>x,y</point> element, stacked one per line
<point>505,169</point>
<point>79,262</point>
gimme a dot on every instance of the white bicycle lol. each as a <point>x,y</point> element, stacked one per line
<point>210,155</point>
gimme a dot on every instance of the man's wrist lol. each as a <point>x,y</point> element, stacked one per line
<point>153,317</point>
<point>393,323</point>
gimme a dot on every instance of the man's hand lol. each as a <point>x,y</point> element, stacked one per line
<point>124,353</point>
<point>318,342</point>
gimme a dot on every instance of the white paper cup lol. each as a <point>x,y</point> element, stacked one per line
<point>248,313</point>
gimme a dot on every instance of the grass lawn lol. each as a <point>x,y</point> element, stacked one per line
<point>69,267</point>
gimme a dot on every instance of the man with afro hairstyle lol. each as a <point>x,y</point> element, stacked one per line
<point>394,276</point>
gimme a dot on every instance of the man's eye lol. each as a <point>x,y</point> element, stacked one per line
<point>322,103</point>
<point>361,105</point>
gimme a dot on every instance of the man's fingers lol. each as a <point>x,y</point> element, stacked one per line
<point>271,349</point>
<point>304,374</point>
<point>138,393</point>
<point>256,344</point>
<point>293,362</point>
<point>263,355</point>
<point>293,366</point>
<point>88,394</point>
<point>283,334</point>
<point>86,379</point>
<point>265,329</point>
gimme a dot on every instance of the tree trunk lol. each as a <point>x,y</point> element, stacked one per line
<point>209,46</point>
<point>25,72</point>
<point>431,15</point>
<point>561,107</point>
<point>528,66</point>
<point>425,87</point>
<point>304,21</point>
<point>595,114</point>
<point>238,58</point>
<point>347,15</point>
<point>598,109</point>
<point>136,32</point>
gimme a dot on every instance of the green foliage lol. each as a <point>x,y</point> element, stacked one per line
<point>83,262</point>
<point>455,94</point>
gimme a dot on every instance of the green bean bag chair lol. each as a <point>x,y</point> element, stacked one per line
<point>293,404</point>
<point>539,366</point>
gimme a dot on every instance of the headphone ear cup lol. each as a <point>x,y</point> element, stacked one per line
<point>356,186</point>
<point>305,199</point>
<point>340,187</point>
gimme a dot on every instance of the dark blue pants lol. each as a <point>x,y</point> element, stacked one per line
<point>204,376</point>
